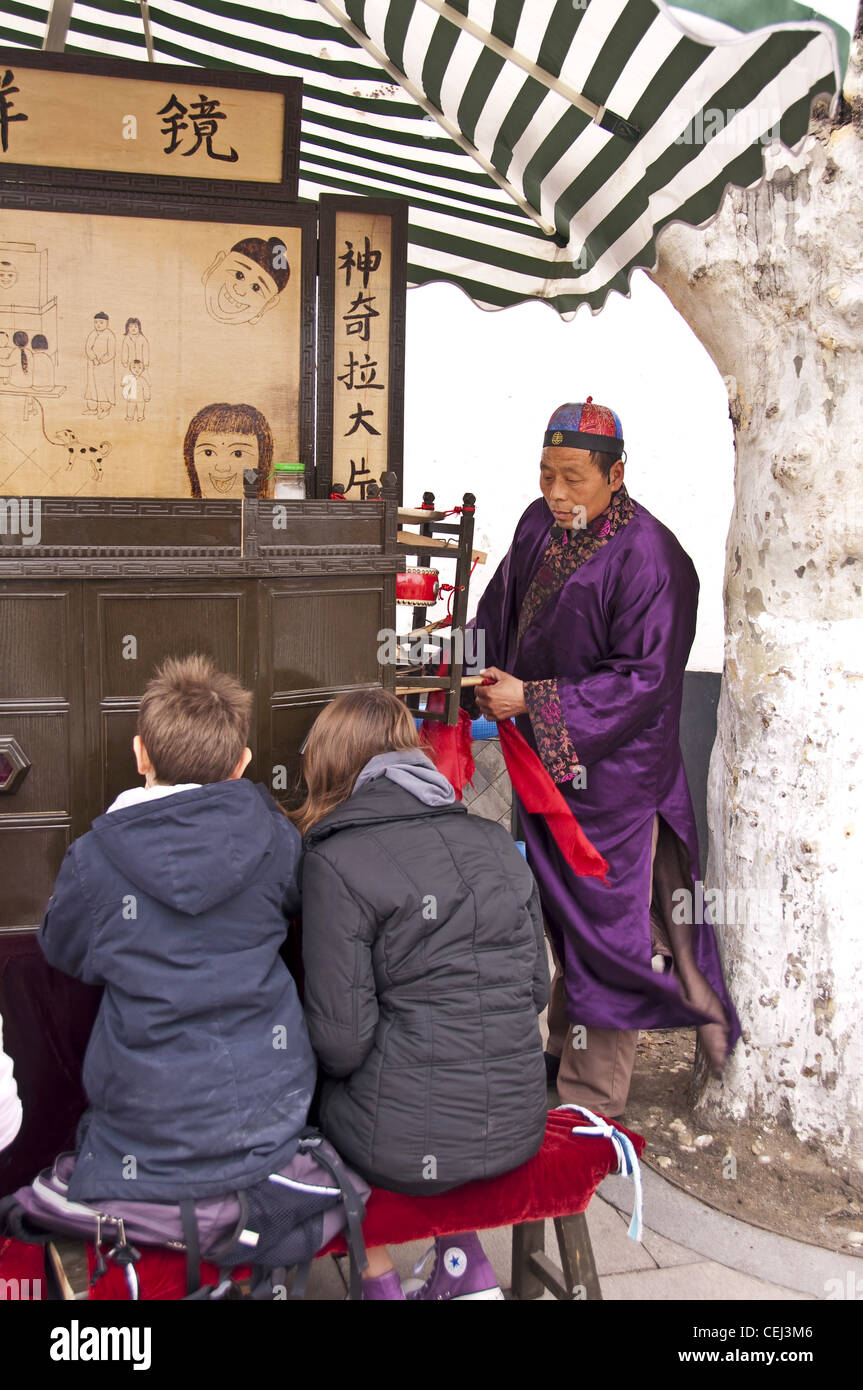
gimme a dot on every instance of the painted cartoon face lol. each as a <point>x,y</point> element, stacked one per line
<point>8,275</point>
<point>237,290</point>
<point>220,460</point>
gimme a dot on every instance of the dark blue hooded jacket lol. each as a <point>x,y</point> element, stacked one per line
<point>199,1072</point>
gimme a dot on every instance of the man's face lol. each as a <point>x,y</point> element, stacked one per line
<point>100,325</point>
<point>568,480</point>
<point>8,275</point>
<point>238,290</point>
<point>220,459</point>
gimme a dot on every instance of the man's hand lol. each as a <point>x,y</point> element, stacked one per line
<point>504,699</point>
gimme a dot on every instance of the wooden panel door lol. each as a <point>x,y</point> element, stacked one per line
<point>129,630</point>
<point>46,1016</point>
<point>41,709</point>
<point>317,638</point>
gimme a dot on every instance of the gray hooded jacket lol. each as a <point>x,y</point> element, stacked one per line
<point>425,969</point>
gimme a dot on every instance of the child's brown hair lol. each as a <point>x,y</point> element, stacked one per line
<point>345,735</point>
<point>193,721</point>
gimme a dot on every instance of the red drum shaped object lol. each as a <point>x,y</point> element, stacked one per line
<point>417,587</point>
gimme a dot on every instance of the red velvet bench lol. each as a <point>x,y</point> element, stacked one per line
<point>555,1185</point>
<point>22,1271</point>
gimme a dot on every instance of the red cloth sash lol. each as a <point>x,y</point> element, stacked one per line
<point>451,749</point>
<point>539,795</point>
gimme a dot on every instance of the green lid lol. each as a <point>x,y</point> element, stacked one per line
<point>289,468</point>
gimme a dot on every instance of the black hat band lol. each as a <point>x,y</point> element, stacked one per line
<point>575,439</point>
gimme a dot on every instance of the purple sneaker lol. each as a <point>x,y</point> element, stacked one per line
<point>387,1285</point>
<point>460,1270</point>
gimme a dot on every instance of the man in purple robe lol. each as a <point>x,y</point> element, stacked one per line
<point>588,625</point>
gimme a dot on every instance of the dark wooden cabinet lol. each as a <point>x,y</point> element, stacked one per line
<point>288,596</point>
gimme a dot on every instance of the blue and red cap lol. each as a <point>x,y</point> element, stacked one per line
<point>584,425</point>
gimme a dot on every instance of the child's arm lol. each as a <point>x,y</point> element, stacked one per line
<point>541,986</point>
<point>340,999</point>
<point>66,931</point>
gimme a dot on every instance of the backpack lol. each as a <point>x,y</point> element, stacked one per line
<point>275,1225</point>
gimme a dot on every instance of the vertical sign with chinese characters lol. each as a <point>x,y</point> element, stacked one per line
<point>361,342</point>
<point>362,327</point>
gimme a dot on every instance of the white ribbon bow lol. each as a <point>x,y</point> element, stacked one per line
<point>627,1159</point>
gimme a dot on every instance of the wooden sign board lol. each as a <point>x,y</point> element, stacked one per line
<point>155,355</point>
<point>119,124</point>
<point>361,318</point>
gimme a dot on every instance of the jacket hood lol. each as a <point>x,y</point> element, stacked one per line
<point>376,803</point>
<point>413,770</point>
<point>192,849</point>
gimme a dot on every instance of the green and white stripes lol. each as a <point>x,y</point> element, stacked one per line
<point>517,190</point>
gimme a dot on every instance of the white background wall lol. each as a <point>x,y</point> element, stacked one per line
<point>479,390</point>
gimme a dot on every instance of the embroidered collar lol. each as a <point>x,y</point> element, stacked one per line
<point>563,555</point>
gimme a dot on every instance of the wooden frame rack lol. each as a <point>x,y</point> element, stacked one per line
<point>435,539</point>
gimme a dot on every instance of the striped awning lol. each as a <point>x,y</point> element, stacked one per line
<point>542,144</point>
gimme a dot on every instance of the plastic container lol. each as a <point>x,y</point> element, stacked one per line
<point>290,482</point>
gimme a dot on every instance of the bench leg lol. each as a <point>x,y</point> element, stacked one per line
<point>576,1256</point>
<point>527,1239</point>
<point>533,1272</point>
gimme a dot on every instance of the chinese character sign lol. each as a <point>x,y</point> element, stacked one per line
<point>362,379</point>
<point>204,117</point>
<point>8,114</point>
<point>87,121</point>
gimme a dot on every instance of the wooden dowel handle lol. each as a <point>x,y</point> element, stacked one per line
<point>428,689</point>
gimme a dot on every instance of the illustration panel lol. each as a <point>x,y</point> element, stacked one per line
<point>148,357</point>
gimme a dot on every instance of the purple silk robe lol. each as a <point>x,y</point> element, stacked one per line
<point>599,628</point>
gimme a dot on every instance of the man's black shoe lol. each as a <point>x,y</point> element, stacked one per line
<point>552,1067</point>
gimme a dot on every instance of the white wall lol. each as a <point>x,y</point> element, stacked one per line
<point>479,390</point>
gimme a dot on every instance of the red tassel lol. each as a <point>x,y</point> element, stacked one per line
<point>450,747</point>
<point>449,744</point>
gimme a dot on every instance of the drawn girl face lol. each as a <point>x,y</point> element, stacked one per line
<point>237,289</point>
<point>220,460</point>
<point>8,275</point>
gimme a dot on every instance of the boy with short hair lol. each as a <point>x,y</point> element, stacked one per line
<point>199,1072</point>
